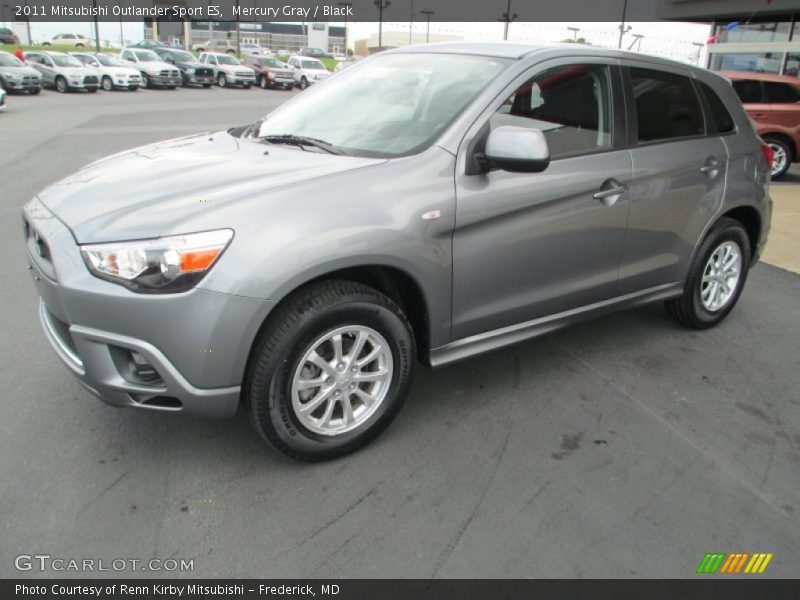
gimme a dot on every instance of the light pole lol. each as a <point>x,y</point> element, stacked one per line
<point>238,32</point>
<point>699,50</point>
<point>574,31</point>
<point>637,39</point>
<point>381,4</point>
<point>96,27</point>
<point>622,30</point>
<point>428,14</point>
<point>508,18</point>
<point>411,25</point>
<point>347,6</point>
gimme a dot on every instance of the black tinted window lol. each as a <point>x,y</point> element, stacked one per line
<point>782,93</point>
<point>571,105</point>
<point>749,91</point>
<point>666,105</point>
<point>723,122</point>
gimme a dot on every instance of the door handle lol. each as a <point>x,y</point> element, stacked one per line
<point>711,167</point>
<point>609,195</point>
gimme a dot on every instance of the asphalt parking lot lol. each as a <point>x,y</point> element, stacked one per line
<point>626,447</point>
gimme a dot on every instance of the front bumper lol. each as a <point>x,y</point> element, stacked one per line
<point>127,82</point>
<point>200,79</point>
<point>241,80</point>
<point>22,86</point>
<point>197,342</point>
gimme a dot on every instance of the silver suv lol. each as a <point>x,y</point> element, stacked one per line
<point>63,72</point>
<point>466,197</point>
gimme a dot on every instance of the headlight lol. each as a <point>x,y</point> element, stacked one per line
<point>121,75</point>
<point>167,264</point>
<point>74,76</point>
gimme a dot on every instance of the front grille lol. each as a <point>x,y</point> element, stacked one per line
<point>61,329</point>
<point>243,74</point>
<point>203,72</point>
<point>90,80</point>
<point>30,80</point>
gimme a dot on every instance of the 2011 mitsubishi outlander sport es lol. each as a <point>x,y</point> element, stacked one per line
<point>464,197</point>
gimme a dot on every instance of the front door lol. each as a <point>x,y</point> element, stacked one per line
<point>528,245</point>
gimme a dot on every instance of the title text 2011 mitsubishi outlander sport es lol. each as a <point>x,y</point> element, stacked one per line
<point>464,197</point>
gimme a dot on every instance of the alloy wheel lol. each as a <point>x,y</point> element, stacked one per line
<point>341,380</point>
<point>779,158</point>
<point>721,276</point>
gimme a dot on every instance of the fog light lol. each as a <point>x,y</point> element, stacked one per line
<point>143,370</point>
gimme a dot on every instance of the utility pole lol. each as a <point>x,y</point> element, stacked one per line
<point>381,4</point>
<point>428,14</point>
<point>699,50</point>
<point>574,31</point>
<point>411,25</point>
<point>622,30</point>
<point>96,27</point>
<point>508,18</point>
<point>238,32</point>
<point>346,6</point>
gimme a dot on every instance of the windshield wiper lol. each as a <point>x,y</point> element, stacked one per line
<point>301,140</point>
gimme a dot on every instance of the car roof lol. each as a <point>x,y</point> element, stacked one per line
<point>219,53</point>
<point>760,77</point>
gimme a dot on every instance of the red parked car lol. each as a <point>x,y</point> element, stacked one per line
<point>270,72</point>
<point>773,103</point>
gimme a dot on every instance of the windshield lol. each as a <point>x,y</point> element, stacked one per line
<point>313,64</point>
<point>62,60</point>
<point>109,61</point>
<point>147,56</point>
<point>9,60</point>
<point>270,62</point>
<point>386,106</point>
<point>183,56</point>
<point>225,59</point>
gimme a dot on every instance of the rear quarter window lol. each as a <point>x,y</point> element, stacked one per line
<point>781,93</point>
<point>748,90</point>
<point>720,116</point>
<point>667,106</point>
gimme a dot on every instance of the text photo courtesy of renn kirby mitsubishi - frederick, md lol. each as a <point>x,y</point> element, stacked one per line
<point>400,299</point>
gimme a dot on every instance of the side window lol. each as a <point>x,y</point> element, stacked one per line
<point>667,106</point>
<point>571,105</point>
<point>722,119</point>
<point>781,93</point>
<point>168,56</point>
<point>749,91</point>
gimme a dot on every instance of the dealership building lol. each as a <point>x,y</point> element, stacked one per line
<point>276,36</point>
<point>745,35</point>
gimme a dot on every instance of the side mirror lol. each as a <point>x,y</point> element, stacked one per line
<point>517,149</point>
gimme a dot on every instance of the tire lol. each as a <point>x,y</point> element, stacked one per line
<point>79,45</point>
<point>45,44</point>
<point>206,85</point>
<point>230,51</point>
<point>92,90</point>
<point>36,91</point>
<point>783,156</point>
<point>246,86</point>
<point>134,88</point>
<point>262,82</point>
<point>691,309</point>
<point>145,81</point>
<point>108,85</point>
<point>279,353</point>
<point>222,81</point>
<point>303,83</point>
<point>61,85</point>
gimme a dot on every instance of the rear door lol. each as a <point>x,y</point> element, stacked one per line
<point>679,171</point>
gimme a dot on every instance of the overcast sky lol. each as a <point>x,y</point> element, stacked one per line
<point>673,40</point>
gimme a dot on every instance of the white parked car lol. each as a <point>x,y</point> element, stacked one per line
<point>255,49</point>
<point>307,71</point>
<point>114,73</point>
<point>76,40</point>
<point>154,71</point>
<point>228,70</point>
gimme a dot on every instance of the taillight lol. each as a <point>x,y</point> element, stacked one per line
<point>769,154</point>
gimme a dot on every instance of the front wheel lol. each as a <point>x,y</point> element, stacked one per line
<point>222,81</point>
<point>303,83</point>
<point>262,82</point>
<point>61,85</point>
<point>145,81</point>
<point>330,371</point>
<point>108,85</point>
<point>781,156</point>
<point>716,277</point>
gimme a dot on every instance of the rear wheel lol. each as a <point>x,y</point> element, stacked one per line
<point>716,277</point>
<point>782,156</point>
<point>330,371</point>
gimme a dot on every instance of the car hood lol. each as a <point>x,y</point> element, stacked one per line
<point>77,70</point>
<point>235,68</point>
<point>193,64</point>
<point>154,66</point>
<point>279,71</point>
<point>21,71</point>
<point>152,190</point>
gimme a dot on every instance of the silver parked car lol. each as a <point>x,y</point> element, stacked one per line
<point>466,197</point>
<point>16,76</point>
<point>228,70</point>
<point>63,72</point>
